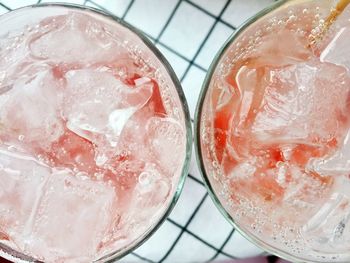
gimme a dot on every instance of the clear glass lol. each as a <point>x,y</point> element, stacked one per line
<point>211,166</point>
<point>170,79</point>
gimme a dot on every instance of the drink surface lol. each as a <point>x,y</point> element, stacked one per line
<point>89,116</point>
<point>275,134</point>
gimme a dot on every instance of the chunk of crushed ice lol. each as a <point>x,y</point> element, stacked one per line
<point>329,227</point>
<point>30,108</point>
<point>299,106</point>
<point>98,106</point>
<point>72,218</point>
<point>338,50</point>
<point>150,192</point>
<point>118,118</point>
<point>74,38</point>
<point>22,180</point>
<point>52,211</point>
<point>284,47</point>
<point>164,135</point>
<point>338,163</point>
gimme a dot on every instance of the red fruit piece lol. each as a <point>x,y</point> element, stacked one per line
<point>156,102</point>
<point>73,151</point>
<point>220,138</point>
<point>302,153</point>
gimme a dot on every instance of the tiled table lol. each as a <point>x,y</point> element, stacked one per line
<point>188,33</point>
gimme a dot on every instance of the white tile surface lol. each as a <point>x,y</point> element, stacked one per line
<point>239,11</point>
<point>211,220</point>
<point>178,64</point>
<point>216,40</point>
<point>187,30</point>
<point>184,34</point>
<point>77,2</point>
<point>190,249</point>
<point>192,86</point>
<point>117,7</point>
<point>194,168</point>
<point>3,10</point>
<point>150,15</point>
<point>191,195</point>
<point>13,4</point>
<point>212,6</point>
<point>160,242</point>
<point>240,247</point>
<point>129,259</point>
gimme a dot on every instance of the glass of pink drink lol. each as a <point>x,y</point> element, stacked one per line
<point>272,132</point>
<point>95,136</point>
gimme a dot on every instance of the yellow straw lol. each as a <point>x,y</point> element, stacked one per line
<point>339,8</point>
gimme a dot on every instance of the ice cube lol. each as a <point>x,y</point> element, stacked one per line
<point>300,107</point>
<point>282,48</point>
<point>337,51</point>
<point>30,110</point>
<point>22,180</point>
<point>52,209</point>
<point>338,163</point>
<point>12,52</point>
<point>152,188</point>
<point>98,105</point>
<point>133,139</point>
<point>243,170</point>
<point>222,95</point>
<point>118,118</point>
<point>164,135</point>
<point>304,190</point>
<point>74,38</point>
<point>143,202</point>
<point>149,194</point>
<point>73,216</point>
<point>328,230</point>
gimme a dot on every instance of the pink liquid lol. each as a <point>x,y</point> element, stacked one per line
<point>88,116</point>
<point>275,133</point>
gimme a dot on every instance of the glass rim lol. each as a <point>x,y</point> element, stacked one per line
<point>116,255</point>
<point>197,141</point>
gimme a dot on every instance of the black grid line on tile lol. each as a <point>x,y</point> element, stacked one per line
<point>181,56</point>
<point>192,234</point>
<point>177,54</point>
<point>127,9</point>
<point>217,19</point>
<point>155,40</point>
<point>142,258</point>
<point>97,5</point>
<point>195,179</point>
<point>211,15</point>
<point>220,250</point>
<point>174,52</point>
<point>6,7</point>
<point>168,21</point>
<point>184,227</point>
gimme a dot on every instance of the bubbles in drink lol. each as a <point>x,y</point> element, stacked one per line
<point>275,132</point>
<point>88,117</point>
